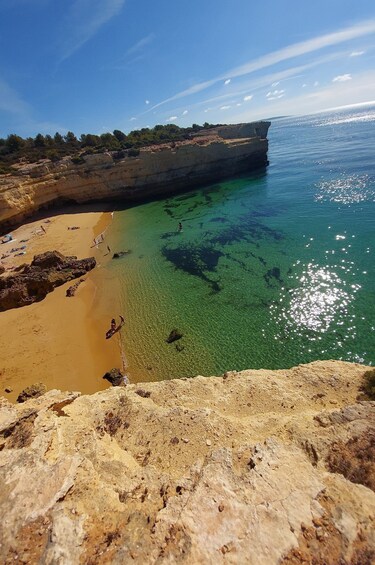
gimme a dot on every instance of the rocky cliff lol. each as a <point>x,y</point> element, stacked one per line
<point>219,153</point>
<point>259,467</point>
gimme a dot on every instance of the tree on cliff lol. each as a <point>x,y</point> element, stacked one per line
<point>39,140</point>
<point>14,142</point>
<point>119,135</point>
<point>71,138</point>
<point>58,138</point>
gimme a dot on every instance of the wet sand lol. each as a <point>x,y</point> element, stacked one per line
<point>61,341</point>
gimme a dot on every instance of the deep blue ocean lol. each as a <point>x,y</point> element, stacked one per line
<point>271,269</point>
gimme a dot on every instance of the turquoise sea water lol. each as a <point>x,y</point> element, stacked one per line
<point>271,269</point>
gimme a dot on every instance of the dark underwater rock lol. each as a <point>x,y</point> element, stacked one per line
<point>174,336</point>
<point>120,254</point>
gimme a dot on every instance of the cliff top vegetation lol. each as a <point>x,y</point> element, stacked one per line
<point>14,148</point>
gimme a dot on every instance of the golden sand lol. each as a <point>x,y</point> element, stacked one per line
<point>61,341</point>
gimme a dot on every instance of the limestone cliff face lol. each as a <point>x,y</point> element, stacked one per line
<point>220,153</point>
<point>258,467</point>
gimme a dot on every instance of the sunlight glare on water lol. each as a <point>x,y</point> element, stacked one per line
<point>347,189</point>
<point>320,299</point>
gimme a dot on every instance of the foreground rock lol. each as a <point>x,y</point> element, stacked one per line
<point>259,467</point>
<point>116,378</point>
<point>33,282</point>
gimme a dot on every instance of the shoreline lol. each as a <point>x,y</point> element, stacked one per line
<point>61,341</point>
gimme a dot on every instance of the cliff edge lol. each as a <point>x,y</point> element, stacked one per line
<point>211,155</point>
<point>258,467</point>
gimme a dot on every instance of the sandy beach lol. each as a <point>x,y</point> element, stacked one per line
<point>60,341</point>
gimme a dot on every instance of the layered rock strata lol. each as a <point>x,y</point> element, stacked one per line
<point>258,467</point>
<point>215,154</point>
<point>31,283</point>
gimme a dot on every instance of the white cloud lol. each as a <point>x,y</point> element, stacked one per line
<point>227,81</point>
<point>247,98</point>
<point>357,53</point>
<point>342,78</point>
<point>225,107</point>
<point>291,51</point>
<point>132,119</point>
<point>304,85</point>
<point>184,112</point>
<point>147,102</point>
<point>275,94</point>
<point>238,104</point>
<point>275,84</point>
<point>84,20</point>
<point>331,96</point>
<point>172,119</point>
<point>316,83</point>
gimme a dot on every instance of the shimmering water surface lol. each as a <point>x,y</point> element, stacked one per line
<point>271,269</point>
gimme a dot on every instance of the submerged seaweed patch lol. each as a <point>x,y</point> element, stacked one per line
<point>273,275</point>
<point>219,219</point>
<point>195,260</point>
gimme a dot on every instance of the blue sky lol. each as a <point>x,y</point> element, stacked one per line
<point>92,66</point>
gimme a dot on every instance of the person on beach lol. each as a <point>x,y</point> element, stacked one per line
<point>43,229</point>
<point>114,328</point>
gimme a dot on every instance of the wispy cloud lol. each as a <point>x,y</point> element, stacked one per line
<point>140,45</point>
<point>256,84</point>
<point>248,97</point>
<point>132,119</point>
<point>225,107</point>
<point>147,102</point>
<point>227,81</point>
<point>357,53</point>
<point>289,52</point>
<point>10,101</point>
<point>171,119</point>
<point>342,78</point>
<point>184,112</point>
<point>84,20</point>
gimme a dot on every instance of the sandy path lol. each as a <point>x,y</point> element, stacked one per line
<point>59,341</point>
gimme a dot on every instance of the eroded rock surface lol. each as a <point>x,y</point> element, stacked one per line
<point>246,468</point>
<point>33,282</point>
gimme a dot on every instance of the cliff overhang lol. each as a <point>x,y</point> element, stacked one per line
<point>159,170</point>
